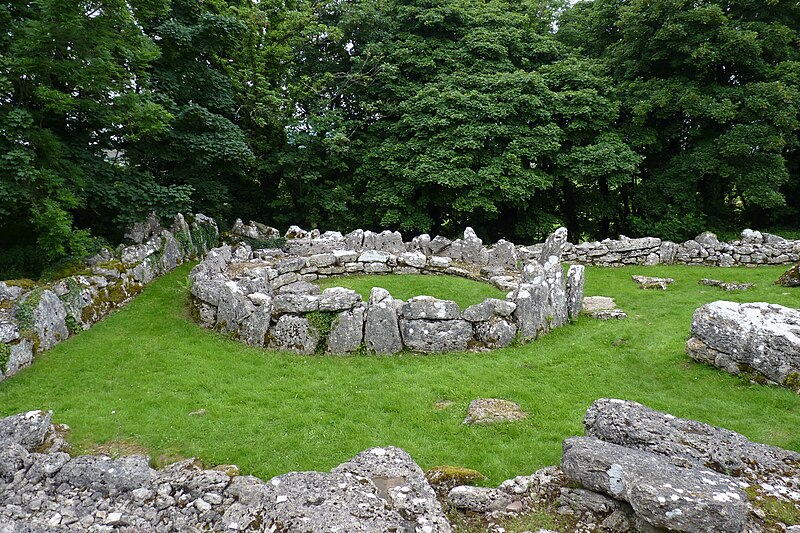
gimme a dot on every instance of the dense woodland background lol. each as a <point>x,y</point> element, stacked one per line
<point>642,117</point>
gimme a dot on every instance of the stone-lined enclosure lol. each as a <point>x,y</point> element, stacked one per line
<point>264,297</point>
<point>753,248</point>
<point>35,317</point>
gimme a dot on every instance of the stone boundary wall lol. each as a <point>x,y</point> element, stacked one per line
<point>752,249</point>
<point>35,317</point>
<point>264,297</point>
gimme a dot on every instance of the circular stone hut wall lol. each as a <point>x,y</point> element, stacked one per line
<point>264,297</point>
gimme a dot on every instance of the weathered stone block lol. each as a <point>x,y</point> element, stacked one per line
<point>431,336</point>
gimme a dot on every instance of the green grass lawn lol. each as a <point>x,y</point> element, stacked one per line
<point>463,291</point>
<point>135,377</point>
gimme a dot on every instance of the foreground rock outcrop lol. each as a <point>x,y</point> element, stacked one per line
<point>758,340</point>
<point>43,489</point>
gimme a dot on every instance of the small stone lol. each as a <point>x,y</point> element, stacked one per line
<point>491,410</point>
<point>649,282</point>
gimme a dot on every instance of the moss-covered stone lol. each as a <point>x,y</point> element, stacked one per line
<point>5,356</point>
<point>323,323</point>
<point>443,478</point>
<point>790,278</point>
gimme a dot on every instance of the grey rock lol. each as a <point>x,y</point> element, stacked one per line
<point>49,319</point>
<point>9,331</point>
<point>294,334</point>
<point>504,255</point>
<point>345,256</point>
<point>254,328</point>
<point>13,459</point>
<point>625,244</point>
<point>260,299</point>
<point>504,283</point>
<point>428,307</point>
<point>433,336</point>
<point>390,241</point>
<point>354,240</point>
<point>295,303</point>
<point>105,475</point>
<point>374,256</point>
<point>557,295</point>
<point>141,231</point>
<point>171,253</point>
<point>790,278</point>
<point>755,337</point>
<point>685,441</point>
<point>338,299</point>
<point>665,495</point>
<point>495,333</point>
<point>574,296</point>
<point>347,331</point>
<point>233,307</point>
<point>472,250</point>
<point>478,499</point>
<point>290,264</point>
<point>531,314</point>
<point>27,429</point>
<point>421,243</point>
<point>486,309</point>
<point>20,357</point>
<point>402,483</point>
<point>438,244</point>
<point>554,245</point>
<point>492,410</point>
<point>726,285</point>
<point>382,331</point>
<point>412,259</point>
<point>300,287</point>
<point>207,290</point>
<point>439,263</point>
<point>9,292</point>
<point>752,237</point>
<point>241,252</point>
<point>650,282</point>
<point>321,260</point>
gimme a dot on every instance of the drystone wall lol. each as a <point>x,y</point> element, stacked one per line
<point>265,297</point>
<point>752,249</point>
<point>35,317</point>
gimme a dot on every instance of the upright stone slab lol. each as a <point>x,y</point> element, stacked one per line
<point>254,328</point>
<point>347,330</point>
<point>575,280</point>
<point>504,255</point>
<point>472,250</point>
<point>293,333</point>
<point>531,299</point>
<point>49,319</point>
<point>497,332</point>
<point>382,331</point>
<point>557,295</point>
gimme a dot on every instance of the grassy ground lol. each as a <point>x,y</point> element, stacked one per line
<point>133,379</point>
<point>463,291</point>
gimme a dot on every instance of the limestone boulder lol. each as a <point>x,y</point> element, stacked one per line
<point>433,336</point>
<point>338,299</point>
<point>651,282</point>
<point>478,499</point>
<point>105,475</point>
<point>503,254</point>
<point>401,483</point>
<point>382,329</point>
<point>686,442</point>
<point>663,494</point>
<point>293,333</point>
<point>497,332</point>
<point>430,308</point>
<point>574,295</point>
<point>27,429</point>
<point>553,245</point>
<point>758,339</point>
<point>488,308</point>
<point>48,318</point>
<point>295,303</point>
<point>347,330</point>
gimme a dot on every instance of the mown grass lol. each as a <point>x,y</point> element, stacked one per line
<point>464,292</point>
<point>135,377</point>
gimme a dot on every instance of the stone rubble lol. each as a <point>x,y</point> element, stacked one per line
<point>650,282</point>
<point>380,489</point>
<point>726,285</point>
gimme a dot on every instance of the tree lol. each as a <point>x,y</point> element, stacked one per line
<point>710,100</point>
<point>71,86</point>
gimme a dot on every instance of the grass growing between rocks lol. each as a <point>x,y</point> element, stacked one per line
<point>134,378</point>
<point>464,292</point>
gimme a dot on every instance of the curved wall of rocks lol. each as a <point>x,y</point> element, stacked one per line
<point>264,297</point>
<point>752,249</point>
<point>35,317</point>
